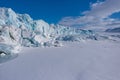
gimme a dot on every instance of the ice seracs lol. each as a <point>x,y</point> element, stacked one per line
<point>21,29</point>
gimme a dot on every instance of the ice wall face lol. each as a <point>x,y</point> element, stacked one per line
<point>8,17</point>
<point>21,29</point>
<point>64,33</point>
<point>9,40</point>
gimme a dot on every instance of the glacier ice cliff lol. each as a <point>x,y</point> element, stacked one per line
<point>21,30</point>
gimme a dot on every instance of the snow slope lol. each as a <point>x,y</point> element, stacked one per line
<point>91,60</point>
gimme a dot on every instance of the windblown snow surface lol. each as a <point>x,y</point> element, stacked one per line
<point>91,60</point>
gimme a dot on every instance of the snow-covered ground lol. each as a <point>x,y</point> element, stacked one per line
<point>90,60</point>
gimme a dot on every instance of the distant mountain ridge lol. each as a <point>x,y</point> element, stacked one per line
<point>114,30</point>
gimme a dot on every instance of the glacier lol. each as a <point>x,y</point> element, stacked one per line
<point>19,30</point>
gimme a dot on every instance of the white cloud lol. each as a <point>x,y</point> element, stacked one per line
<point>97,16</point>
<point>104,9</point>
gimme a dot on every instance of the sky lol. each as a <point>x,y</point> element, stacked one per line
<point>49,10</point>
<point>101,15</point>
<point>77,13</point>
